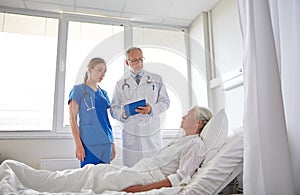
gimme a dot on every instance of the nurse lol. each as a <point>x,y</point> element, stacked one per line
<point>141,136</point>
<point>93,136</point>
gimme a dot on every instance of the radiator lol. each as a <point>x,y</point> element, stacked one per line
<point>59,164</point>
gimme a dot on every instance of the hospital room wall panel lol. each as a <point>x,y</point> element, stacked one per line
<point>198,60</point>
<point>221,63</point>
<point>30,151</point>
<point>226,85</point>
<point>227,37</point>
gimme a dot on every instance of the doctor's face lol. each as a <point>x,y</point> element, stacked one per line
<point>97,73</point>
<point>135,61</point>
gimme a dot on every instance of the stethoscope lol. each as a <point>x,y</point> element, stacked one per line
<point>128,86</point>
<point>88,108</point>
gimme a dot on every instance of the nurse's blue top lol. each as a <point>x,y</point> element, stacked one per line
<point>94,125</point>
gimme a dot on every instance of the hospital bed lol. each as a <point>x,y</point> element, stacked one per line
<point>223,162</point>
<point>213,176</point>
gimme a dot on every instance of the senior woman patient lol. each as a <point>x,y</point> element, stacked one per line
<point>168,167</point>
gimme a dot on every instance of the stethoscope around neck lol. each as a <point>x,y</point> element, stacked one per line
<point>92,106</point>
<point>128,86</point>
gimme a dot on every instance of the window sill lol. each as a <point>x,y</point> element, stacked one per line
<point>15,135</point>
<point>34,135</point>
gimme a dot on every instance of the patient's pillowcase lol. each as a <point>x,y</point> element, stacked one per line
<point>214,134</point>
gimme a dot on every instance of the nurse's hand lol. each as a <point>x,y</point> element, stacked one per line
<point>144,109</point>
<point>113,152</point>
<point>80,152</point>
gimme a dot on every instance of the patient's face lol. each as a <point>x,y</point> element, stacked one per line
<point>189,123</point>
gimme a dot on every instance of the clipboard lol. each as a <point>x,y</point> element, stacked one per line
<point>130,108</point>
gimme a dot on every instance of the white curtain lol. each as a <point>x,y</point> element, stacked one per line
<point>271,31</point>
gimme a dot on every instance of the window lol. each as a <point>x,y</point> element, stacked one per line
<point>29,60</point>
<point>165,54</point>
<point>88,40</point>
<point>27,73</point>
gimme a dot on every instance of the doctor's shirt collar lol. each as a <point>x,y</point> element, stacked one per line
<point>140,74</point>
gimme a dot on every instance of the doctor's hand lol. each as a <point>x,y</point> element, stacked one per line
<point>124,116</point>
<point>144,109</point>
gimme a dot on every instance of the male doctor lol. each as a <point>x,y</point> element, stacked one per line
<point>141,134</point>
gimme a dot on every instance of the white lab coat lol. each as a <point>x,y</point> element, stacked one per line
<point>141,134</point>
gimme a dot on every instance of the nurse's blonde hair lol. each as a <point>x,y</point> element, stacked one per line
<point>93,62</point>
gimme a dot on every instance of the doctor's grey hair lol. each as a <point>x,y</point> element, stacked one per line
<point>132,49</point>
<point>93,62</point>
<point>203,114</point>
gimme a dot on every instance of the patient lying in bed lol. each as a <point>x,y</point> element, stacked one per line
<point>170,166</point>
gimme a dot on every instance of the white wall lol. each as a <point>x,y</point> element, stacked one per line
<point>228,54</point>
<point>227,38</point>
<point>30,151</point>
<point>199,52</point>
<point>226,90</point>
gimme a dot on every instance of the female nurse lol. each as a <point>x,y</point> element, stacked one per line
<point>93,133</point>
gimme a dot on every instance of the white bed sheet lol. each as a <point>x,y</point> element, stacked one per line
<point>18,178</point>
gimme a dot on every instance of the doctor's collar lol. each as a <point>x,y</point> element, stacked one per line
<point>140,73</point>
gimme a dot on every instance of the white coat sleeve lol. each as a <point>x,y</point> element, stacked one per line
<point>116,108</point>
<point>190,160</point>
<point>163,101</point>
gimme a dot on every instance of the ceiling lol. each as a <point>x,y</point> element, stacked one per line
<point>162,12</point>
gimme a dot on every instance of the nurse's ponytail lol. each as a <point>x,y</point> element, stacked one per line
<point>85,77</point>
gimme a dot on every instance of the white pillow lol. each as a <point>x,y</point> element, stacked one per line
<point>214,134</point>
<point>220,169</point>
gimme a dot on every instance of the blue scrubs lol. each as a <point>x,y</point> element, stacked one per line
<point>94,126</point>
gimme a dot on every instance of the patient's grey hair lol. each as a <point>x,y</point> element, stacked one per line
<point>203,114</point>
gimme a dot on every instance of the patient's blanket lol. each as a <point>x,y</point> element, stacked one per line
<point>16,177</point>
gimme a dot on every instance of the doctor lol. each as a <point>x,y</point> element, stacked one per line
<point>141,134</point>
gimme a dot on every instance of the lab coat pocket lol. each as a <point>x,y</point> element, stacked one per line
<point>93,134</point>
<point>151,93</point>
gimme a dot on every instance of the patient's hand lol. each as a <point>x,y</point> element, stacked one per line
<point>136,188</point>
<point>156,185</point>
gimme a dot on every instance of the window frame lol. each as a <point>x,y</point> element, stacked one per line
<point>58,130</point>
<point>31,133</point>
